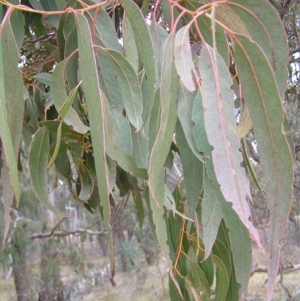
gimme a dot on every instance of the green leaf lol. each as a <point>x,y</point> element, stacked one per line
<point>183,57</point>
<point>86,182</point>
<point>220,249</point>
<point>63,111</point>
<point>11,114</point>
<point>170,204</point>
<point>17,24</point>
<point>219,120</point>
<point>44,78</point>
<point>96,107</point>
<point>138,201</point>
<point>38,160</point>
<point>198,130</point>
<point>168,117</point>
<point>104,33</point>
<point>118,72</point>
<point>70,46</point>
<point>192,172</point>
<point>130,46</point>
<point>117,152</point>
<point>211,213</point>
<point>159,38</point>
<point>67,131</point>
<point>59,95</point>
<point>222,279</point>
<point>185,106</point>
<point>57,146</point>
<point>240,243</point>
<point>264,102</point>
<point>159,153</point>
<point>140,147</point>
<point>146,53</point>
<point>196,284</point>
<point>266,29</point>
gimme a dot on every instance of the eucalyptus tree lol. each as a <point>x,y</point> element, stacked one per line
<point>118,88</point>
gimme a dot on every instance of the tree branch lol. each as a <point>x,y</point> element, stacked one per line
<point>66,233</point>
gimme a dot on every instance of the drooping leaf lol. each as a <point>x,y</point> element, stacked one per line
<point>266,29</point>
<point>86,182</point>
<point>118,71</point>
<point>192,172</point>
<point>96,107</point>
<point>196,284</point>
<point>146,53</point>
<point>130,46</point>
<point>44,78</point>
<point>57,146</point>
<point>11,113</point>
<point>38,160</point>
<point>219,120</point>
<point>168,117</point>
<point>262,96</point>
<point>222,279</point>
<point>59,95</point>
<point>103,30</point>
<point>185,106</point>
<point>183,57</point>
<point>159,38</point>
<point>63,111</point>
<point>198,129</point>
<point>211,214</point>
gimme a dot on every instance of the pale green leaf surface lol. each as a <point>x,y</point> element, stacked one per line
<point>57,145</point>
<point>159,38</point>
<point>170,204</point>
<point>104,33</point>
<point>119,72</point>
<point>154,121</point>
<point>117,152</point>
<point>118,126</point>
<point>146,53</point>
<point>17,23</point>
<point>11,115</point>
<point>266,29</point>
<point>130,47</point>
<point>198,129</point>
<point>185,106</point>
<point>96,107</point>
<point>219,120</point>
<point>59,95</point>
<point>38,160</point>
<point>140,147</point>
<point>240,243</point>
<point>211,213</point>
<point>63,111</point>
<point>71,45</point>
<point>168,117</point>
<point>44,78</point>
<point>183,57</point>
<point>263,99</point>
<point>162,143</point>
<point>192,172</point>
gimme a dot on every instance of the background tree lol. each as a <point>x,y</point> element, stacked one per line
<point>113,90</point>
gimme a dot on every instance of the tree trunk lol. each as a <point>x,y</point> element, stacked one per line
<point>20,272</point>
<point>52,288</point>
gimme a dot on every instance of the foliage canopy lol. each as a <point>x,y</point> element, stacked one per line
<point>117,89</point>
